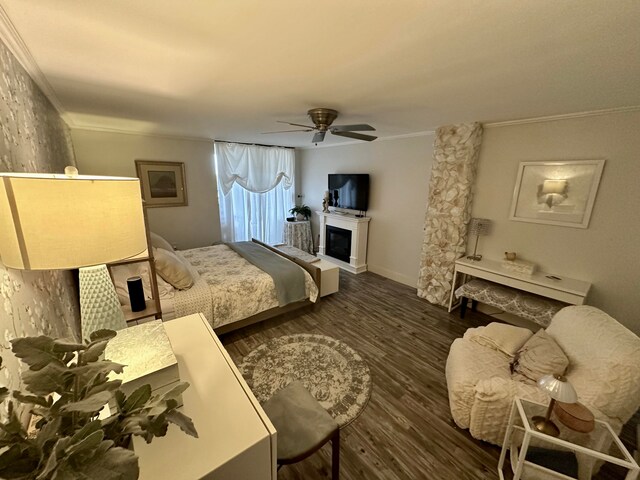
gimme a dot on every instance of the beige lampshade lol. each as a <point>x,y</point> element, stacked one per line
<point>61,222</point>
<point>558,388</point>
<point>479,226</point>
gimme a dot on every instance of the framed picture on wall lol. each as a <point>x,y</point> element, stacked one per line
<point>163,183</point>
<point>556,193</point>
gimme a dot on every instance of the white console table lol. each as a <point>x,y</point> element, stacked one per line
<point>564,289</point>
<point>236,438</point>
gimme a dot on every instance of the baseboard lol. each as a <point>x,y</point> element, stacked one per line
<point>390,274</point>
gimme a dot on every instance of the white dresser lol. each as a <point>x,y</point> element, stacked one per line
<point>237,440</point>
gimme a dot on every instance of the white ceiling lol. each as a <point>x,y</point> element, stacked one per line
<point>230,69</point>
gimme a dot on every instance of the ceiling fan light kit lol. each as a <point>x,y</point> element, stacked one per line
<point>322,119</point>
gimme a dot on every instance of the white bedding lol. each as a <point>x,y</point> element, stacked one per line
<point>227,287</point>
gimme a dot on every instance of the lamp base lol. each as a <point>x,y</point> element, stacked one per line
<point>99,305</point>
<point>475,258</point>
<point>545,426</point>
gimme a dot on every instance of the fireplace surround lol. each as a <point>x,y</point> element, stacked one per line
<point>350,254</point>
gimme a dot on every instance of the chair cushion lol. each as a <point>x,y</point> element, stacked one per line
<point>303,425</point>
<point>540,356</point>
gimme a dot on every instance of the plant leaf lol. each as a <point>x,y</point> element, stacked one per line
<point>114,463</point>
<point>94,350</point>
<point>4,393</point>
<point>37,352</point>
<point>62,345</point>
<point>110,386</point>
<point>16,462</point>
<point>51,378</point>
<point>103,334</point>
<point>92,404</point>
<point>181,420</point>
<point>176,391</point>
<point>32,399</point>
<point>137,399</point>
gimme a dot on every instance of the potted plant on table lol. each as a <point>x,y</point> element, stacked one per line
<point>302,212</point>
<point>67,387</point>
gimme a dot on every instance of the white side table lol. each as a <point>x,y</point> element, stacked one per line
<point>298,234</point>
<point>600,444</point>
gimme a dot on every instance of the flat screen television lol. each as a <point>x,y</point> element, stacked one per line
<point>349,190</point>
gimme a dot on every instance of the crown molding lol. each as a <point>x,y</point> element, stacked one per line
<point>425,133</point>
<point>564,116</point>
<point>12,39</point>
<point>143,134</point>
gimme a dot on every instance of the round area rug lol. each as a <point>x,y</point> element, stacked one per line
<point>332,371</point>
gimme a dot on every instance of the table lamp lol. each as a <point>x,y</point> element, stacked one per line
<point>559,389</point>
<point>53,221</point>
<point>478,227</point>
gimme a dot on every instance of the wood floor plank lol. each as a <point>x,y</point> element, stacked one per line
<point>406,431</point>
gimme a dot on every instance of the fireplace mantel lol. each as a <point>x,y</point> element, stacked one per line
<point>359,227</point>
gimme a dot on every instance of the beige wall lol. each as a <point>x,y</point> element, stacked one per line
<point>399,174</point>
<point>607,253</point>
<point>196,225</point>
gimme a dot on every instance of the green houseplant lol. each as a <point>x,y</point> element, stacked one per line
<point>67,386</point>
<point>301,210</point>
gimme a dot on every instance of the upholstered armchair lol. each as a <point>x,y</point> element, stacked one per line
<point>604,368</point>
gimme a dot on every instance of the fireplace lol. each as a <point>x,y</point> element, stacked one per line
<point>338,243</point>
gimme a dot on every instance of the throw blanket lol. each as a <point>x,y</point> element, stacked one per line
<point>288,277</point>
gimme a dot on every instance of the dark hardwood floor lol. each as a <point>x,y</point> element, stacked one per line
<point>406,430</point>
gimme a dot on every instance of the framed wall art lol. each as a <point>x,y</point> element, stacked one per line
<point>163,183</point>
<point>556,193</point>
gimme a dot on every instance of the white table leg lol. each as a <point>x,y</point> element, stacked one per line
<point>523,454</point>
<point>453,288</point>
<point>632,475</point>
<point>507,438</point>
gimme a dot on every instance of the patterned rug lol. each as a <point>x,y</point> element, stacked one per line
<point>332,371</point>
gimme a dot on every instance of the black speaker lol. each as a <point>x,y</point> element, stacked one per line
<point>136,294</point>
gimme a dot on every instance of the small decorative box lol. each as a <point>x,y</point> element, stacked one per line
<point>519,266</point>
<point>146,351</point>
<point>575,416</point>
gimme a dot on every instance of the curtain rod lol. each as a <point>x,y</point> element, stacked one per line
<point>254,144</point>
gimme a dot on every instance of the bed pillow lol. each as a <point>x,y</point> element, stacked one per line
<point>540,356</point>
<point>500,336</point>
<point>158,242</point>
<point>171,269</point>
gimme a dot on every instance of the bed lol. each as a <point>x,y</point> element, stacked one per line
<point>227,289</point>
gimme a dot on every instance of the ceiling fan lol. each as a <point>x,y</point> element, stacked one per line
<point>322,119</point>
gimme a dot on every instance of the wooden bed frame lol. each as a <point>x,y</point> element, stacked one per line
<point>313,270</point>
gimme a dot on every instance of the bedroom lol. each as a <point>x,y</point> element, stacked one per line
<point>139,106</point>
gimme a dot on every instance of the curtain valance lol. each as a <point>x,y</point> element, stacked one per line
<point>255,168</point>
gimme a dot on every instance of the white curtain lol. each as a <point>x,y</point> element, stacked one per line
<point>254,190</point>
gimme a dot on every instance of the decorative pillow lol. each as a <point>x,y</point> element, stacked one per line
<point>540,356</point>
<point>500,336</point>
<point>171,269</point>
<point>158,242</point>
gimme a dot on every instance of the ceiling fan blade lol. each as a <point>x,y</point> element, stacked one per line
<point>318,137</point>
<point>361,127</point>
<point>296,124</point>
<point>287,131</point>
<point>357,136</point>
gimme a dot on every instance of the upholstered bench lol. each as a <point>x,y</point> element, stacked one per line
<point>523,304</point>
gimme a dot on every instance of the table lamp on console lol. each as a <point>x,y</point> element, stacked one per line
<point>54,221</point>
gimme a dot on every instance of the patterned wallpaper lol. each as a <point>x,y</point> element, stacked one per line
<point>34,139</point>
